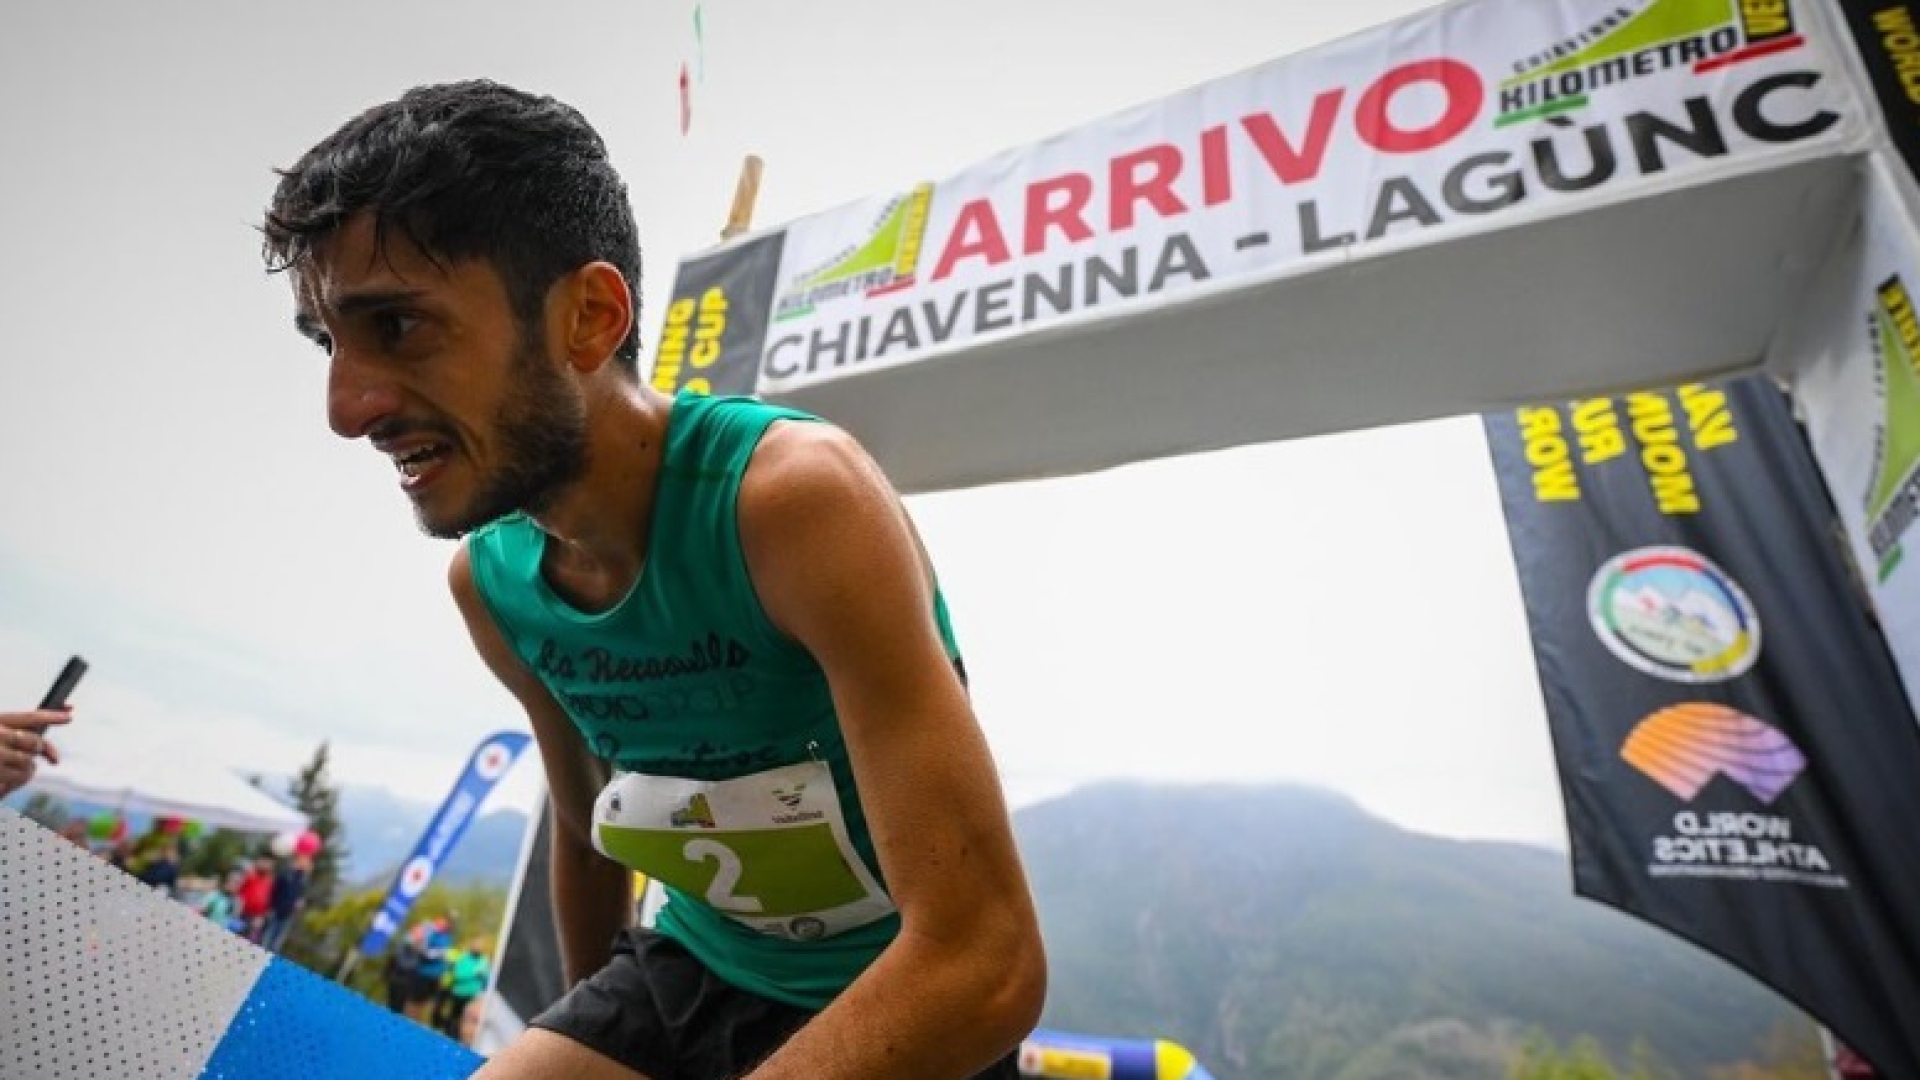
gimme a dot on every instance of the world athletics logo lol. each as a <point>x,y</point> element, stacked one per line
<point>1683,747</point>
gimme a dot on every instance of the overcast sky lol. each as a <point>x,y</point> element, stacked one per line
<point>1341,611</point>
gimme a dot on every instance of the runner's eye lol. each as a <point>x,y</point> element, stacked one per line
<point>392,326</point>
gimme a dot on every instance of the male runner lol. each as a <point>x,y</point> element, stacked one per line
<point>728,640</point>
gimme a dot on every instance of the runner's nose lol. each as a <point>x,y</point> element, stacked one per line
<point>358,395</point>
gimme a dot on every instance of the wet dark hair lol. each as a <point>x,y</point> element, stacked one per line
<point>469,170</point>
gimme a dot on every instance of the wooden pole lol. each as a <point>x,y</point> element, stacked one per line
<point>745,193</point>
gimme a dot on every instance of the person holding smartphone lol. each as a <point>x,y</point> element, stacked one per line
<point>23,735</point>
<point>22,745</point>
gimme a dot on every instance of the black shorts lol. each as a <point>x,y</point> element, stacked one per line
<point>656,1009</point>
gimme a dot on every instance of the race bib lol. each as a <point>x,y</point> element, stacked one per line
<point>769,851</point>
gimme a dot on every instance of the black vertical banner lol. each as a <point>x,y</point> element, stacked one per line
<point>716,321</point>
<point>529,979</point>
<point>1737,756</point>
<point>1887,33</point>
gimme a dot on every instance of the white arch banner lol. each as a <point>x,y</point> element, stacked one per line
<point>1496,202</point>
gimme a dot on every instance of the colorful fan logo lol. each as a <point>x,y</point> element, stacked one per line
<point>1670,612</point>
<point>1685,746</point>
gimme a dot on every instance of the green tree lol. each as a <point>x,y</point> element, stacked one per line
<point>1541,1059</point>
<point>313,793</point>
<point>327,932</point>
<point>1792,1051</point>
<point>212,855</point>
<point>1582,1059</point>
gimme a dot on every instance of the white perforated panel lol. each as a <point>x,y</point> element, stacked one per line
<point>102,978</point>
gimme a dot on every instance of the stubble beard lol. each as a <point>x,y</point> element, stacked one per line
<point>541,429</point>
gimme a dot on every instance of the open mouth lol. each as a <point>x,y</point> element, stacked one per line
<point>420,464</point>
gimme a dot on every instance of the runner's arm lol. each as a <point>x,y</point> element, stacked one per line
<point>836,565</point>
<point>592,895</point>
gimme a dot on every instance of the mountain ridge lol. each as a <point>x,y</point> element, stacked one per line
<point>1301,954</point>
<point>1282,930</point>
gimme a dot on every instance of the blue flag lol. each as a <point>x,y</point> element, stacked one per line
<point>490,761</point>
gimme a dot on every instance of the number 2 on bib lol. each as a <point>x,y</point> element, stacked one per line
<point>726,876</point>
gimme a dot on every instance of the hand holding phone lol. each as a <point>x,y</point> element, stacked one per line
<point>23,739</point>
<point>63,685</point>
<point>58,693</point>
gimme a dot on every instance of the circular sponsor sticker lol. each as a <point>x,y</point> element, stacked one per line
<point>413,880</point>
<point>1672,613</point>
<point>491,761</point>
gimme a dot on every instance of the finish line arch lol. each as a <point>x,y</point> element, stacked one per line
<point>1487,206</point>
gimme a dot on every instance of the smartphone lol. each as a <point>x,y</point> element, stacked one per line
<point>62,688</point>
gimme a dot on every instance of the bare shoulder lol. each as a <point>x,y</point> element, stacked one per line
<point>466,591</point>
<point>460,575</point>
<point>806,467</point>
<point>825,536</point>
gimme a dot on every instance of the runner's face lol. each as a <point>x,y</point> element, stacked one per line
<point>430,365</point>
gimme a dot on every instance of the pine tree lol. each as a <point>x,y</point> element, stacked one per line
<point>315,796</point>
<point>216,854</point>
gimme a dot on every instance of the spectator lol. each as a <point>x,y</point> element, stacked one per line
<point>163,870</point>
<point>436,944</point>
<point>21,746</point>
<point>403,967</point>
<point>256,898</point>
<point>221,904</point>
<point>287,900</point>
<point>466,979</point>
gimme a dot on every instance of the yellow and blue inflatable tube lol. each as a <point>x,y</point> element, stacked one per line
<point>1060,1055</point>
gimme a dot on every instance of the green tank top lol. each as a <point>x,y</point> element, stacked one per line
<point>687,685</point>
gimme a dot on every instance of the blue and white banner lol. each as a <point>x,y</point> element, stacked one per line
<point>490,761</point>
<point>107,977</point>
